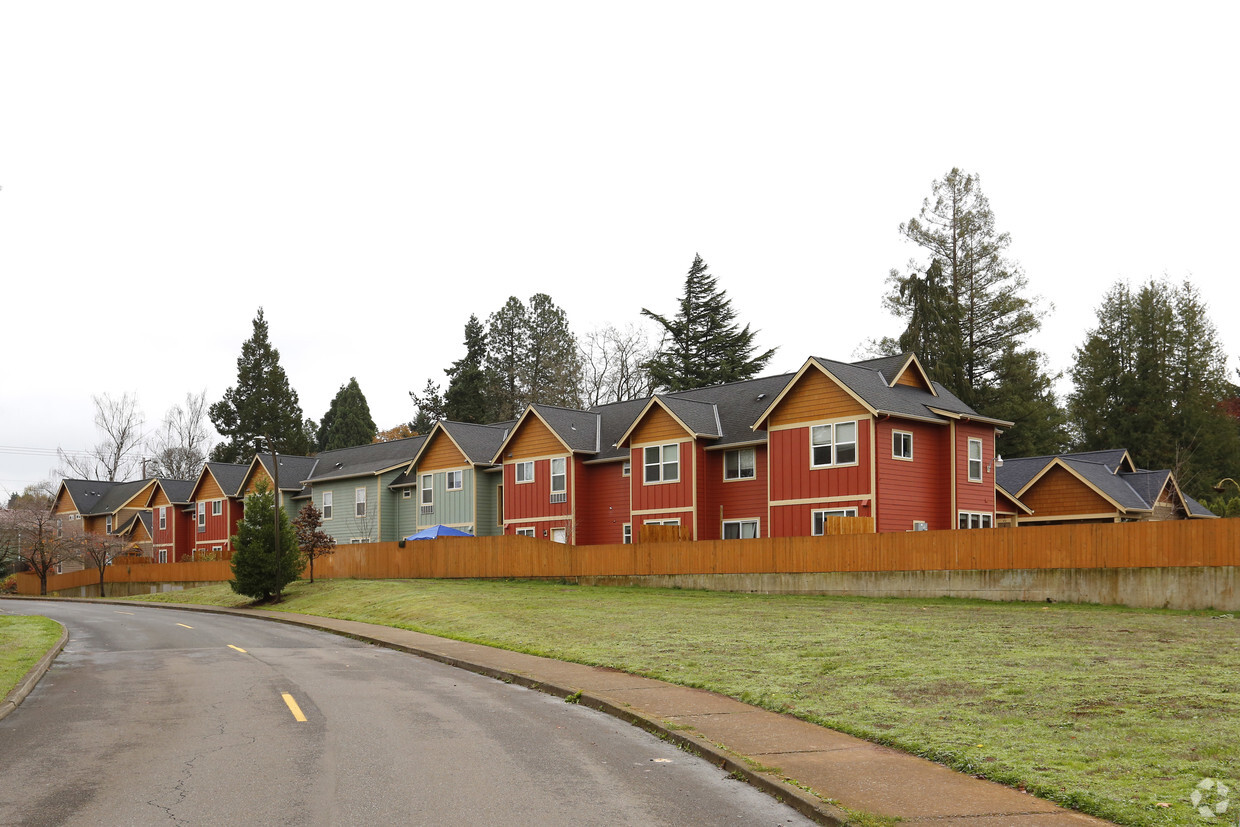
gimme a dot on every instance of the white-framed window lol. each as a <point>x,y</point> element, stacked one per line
<point>217,508</point>
<point>559,479</point>
<point>820,518</point>
<point>901,445</point>
<point>327,505</point>
<point>525,472</point>
<point>456,480</point>
<point>60,527</point>
<point>107,524</point>
<point>739,464</point>
<point>357,540</point>
<point>975,519</point>
<point>740,529</point>
<point>662,463</point>
<point>406,494</point>
<point>216,549</point>
<point>975,460</point>
<point>163,518</point>
<point>202,516</point>
<point>525,532</point>
<point>834,444</point>
<point>163,555</point>
<point>626,468</point>
<point>428,490</point>
<point>628,534</point>
<point>661,522</point>
<point>359,502</point>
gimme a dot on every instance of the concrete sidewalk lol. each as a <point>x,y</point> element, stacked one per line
<point>810,767</point>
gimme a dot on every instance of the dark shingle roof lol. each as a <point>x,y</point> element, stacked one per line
<point>294,470</point>
<point>700,417</point>
<point>178,491</point>
<point>86,493</point>
<point>229,475</point>
<point>1105,480</point>
<point>578,429</point>
<point>1197,509</point>
<point>888,366</point>
<point>104,497</point>
<point>739,405</point>
<point>479,442</point>
<point>1147,484</point>
<point>364,460</point>
<point>904,400</point>
<point>1016,472</point>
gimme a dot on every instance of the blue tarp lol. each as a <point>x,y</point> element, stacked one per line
<point>438,531</point>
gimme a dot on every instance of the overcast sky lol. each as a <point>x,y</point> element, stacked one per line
<point>373,173</point>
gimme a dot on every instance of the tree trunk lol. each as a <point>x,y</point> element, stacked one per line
<point>102,593</point>
<point>43,584</point>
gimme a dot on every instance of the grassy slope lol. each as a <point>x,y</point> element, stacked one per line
<point>23,640</point>
<point>1111,710</point>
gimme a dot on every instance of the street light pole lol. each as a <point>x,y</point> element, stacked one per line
<point>1219,485</point>
<point>275,513</point>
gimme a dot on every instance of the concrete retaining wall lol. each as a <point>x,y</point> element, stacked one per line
<point>1213,587</point>
<point>129,589</point>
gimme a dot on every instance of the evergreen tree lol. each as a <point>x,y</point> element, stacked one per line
<point>260,404</point>
<point>703,344</point>
<point>467,398</point>
<point>430,408</point>
<point>347,422</point>
<point>551,372</point>
<point>507,339</point>
<point>970,310</point>
<point>1151,377</point>
<point>260,569</point>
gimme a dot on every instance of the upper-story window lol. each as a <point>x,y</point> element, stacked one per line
<point>739,464</point>
<point>525,471</point>
<point>834,444</point>
<point>456,480</point>
<point>327,505</point>
<point>163,517</point>
<point>359,502</point>
<point>901,445</point>
<point>559,475</point>
<point>975,460</point>
<point>625,469</point>
<point>217,508</point>
<point>428,490</point>
<point>662,463</point>
<point>107,524</point>
<point>202,516</point>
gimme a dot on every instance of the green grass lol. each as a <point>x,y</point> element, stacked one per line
<point>1110,710</point>
<point>23,640</point>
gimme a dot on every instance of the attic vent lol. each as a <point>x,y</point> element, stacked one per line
<point>762,396</point>
<point>338,464</point>
<point>574,427</point>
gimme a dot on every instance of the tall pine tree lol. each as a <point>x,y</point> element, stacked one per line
<point>506,345</point>
<point>347,422</point>
<point>1151,377</point>
<point>261,404</point>
<point>467,398</point>
<point>703,344</point>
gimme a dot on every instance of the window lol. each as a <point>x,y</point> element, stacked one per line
<point>901,445</point>
<point>662,463</point>
<point>975,460</point>
<point>456,480</point>
<point>661,522</point>
<point>974,519</point>
<point>626,469</point>
<point>357,540</point>
<point>359,502</point>
<point>525,471</point>
<point>407,494</point>
<point>559,480</point>
<point>107,524</point>
<point>525,532</point>
<point>217,508</point>
<point>628,534</point>
<point>163,518</point>
<point>202,517</point>
<point>833,444</point>
<point>428,490</point>
<point>163,555</point>
<point>216,549</point>
<point>820,518</point>
<point>740,529</point>
<point>327,505</point>
<point>738,465</point>
<point>60,528</point>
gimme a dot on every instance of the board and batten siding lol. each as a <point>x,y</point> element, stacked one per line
<point>488,522</point>
<point>451,508</point>
<point>344,525</point>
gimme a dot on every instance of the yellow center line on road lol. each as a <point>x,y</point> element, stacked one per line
<point>238,648</point>
<point>294,708</point>
<point>187,627</point>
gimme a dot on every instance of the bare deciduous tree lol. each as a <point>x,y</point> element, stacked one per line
<point>313,540</point>
<point>97,551</point>
<point>117,455</point>
<point>613,365</point>
<point>180,447</point>
<point>29,533</point>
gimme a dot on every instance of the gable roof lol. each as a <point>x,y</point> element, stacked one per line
<point>479,444</point>
<point>143,519</point>
<point>362,460</point>
<point>294,470</point>
<point>893,367</point>
<point>578,431</point>
<point>94,497</point>
<point>227,475</point>
<point>178,492</point>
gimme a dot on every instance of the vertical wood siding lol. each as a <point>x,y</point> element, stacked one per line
<point>1059,492</point>
<point>441,454</point>
<point>602,506</point>
<point>793,479</point>
<point>917,490</point>
<point>975,496</point>
<point>665,494</point>
<point>732,500</point>
<point>534,439</point>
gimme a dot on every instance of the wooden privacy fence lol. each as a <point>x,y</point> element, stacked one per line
<point>1102,546</point>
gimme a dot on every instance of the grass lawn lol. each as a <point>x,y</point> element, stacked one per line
<point>23,640</point>
<point>1115,711</point>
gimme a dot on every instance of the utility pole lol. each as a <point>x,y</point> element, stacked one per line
<point>275,515</point>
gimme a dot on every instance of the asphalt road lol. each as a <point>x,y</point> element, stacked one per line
<point>157,716</point>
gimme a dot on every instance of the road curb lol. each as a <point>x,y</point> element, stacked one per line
<point>32,678</point>
<point>779,788</point>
